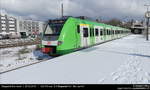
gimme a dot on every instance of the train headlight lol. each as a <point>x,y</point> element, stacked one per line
<point>60,42</point>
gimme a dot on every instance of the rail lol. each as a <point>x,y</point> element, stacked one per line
<point>18,42</point>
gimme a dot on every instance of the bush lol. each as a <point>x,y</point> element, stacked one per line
<point>24,50</point>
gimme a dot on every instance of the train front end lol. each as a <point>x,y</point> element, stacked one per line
<point>51,35</point>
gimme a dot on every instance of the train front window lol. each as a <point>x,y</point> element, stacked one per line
<point>52,31</point>
<point>48,30</point>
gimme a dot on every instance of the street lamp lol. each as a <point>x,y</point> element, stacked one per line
<point>147,15</point>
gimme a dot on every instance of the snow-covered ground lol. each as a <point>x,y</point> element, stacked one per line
<point>11,58</point>
<point>125,61</point>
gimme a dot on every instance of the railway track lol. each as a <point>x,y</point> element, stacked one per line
<point>16,43</point>
<point>19,43</point>
<point>38,59</point>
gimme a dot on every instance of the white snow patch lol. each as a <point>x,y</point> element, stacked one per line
<point>10,58</point>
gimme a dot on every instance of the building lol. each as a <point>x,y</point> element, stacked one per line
<point>29,27</point>
<point>8,24</point>
<point>137,27</point>
<point>23,27</point>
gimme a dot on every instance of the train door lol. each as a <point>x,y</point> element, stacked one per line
<point>107,33</point>
<point>85,35</point>
<point>113,33</point>
<point>97,34</point>
<point>101,34</point>
<point>104,34</point>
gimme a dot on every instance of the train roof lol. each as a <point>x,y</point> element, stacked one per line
<point>82,18</point>
<point>65,18</point>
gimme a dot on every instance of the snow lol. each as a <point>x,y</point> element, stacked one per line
<point>10,58</point>
<point>122,61</point>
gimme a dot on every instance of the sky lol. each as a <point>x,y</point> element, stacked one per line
<point>47,9</point>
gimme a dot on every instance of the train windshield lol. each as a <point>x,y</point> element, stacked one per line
<point>52,31</point>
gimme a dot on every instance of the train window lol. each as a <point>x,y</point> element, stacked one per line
<point>85,32</point>
<point>78,28</point>
<point>91,33</point>
<point>107,31</point>
<point>101,32</point>
<point>96,32</point>
<point>110,32</point>
<point>116,32</point>
<point>48,30</point>
<point>113,32</point>
<point>56,28</point>
<point>53,29</point>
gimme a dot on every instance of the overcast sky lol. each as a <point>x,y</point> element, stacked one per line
<point>46,9</point>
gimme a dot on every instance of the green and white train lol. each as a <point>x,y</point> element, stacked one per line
<point>62,36</point>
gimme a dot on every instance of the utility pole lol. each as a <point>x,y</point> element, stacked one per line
<point>147,23</point>
<point>147,15</point>
<point>62,9</point>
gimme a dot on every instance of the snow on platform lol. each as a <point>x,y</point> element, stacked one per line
<point>124,61</point>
